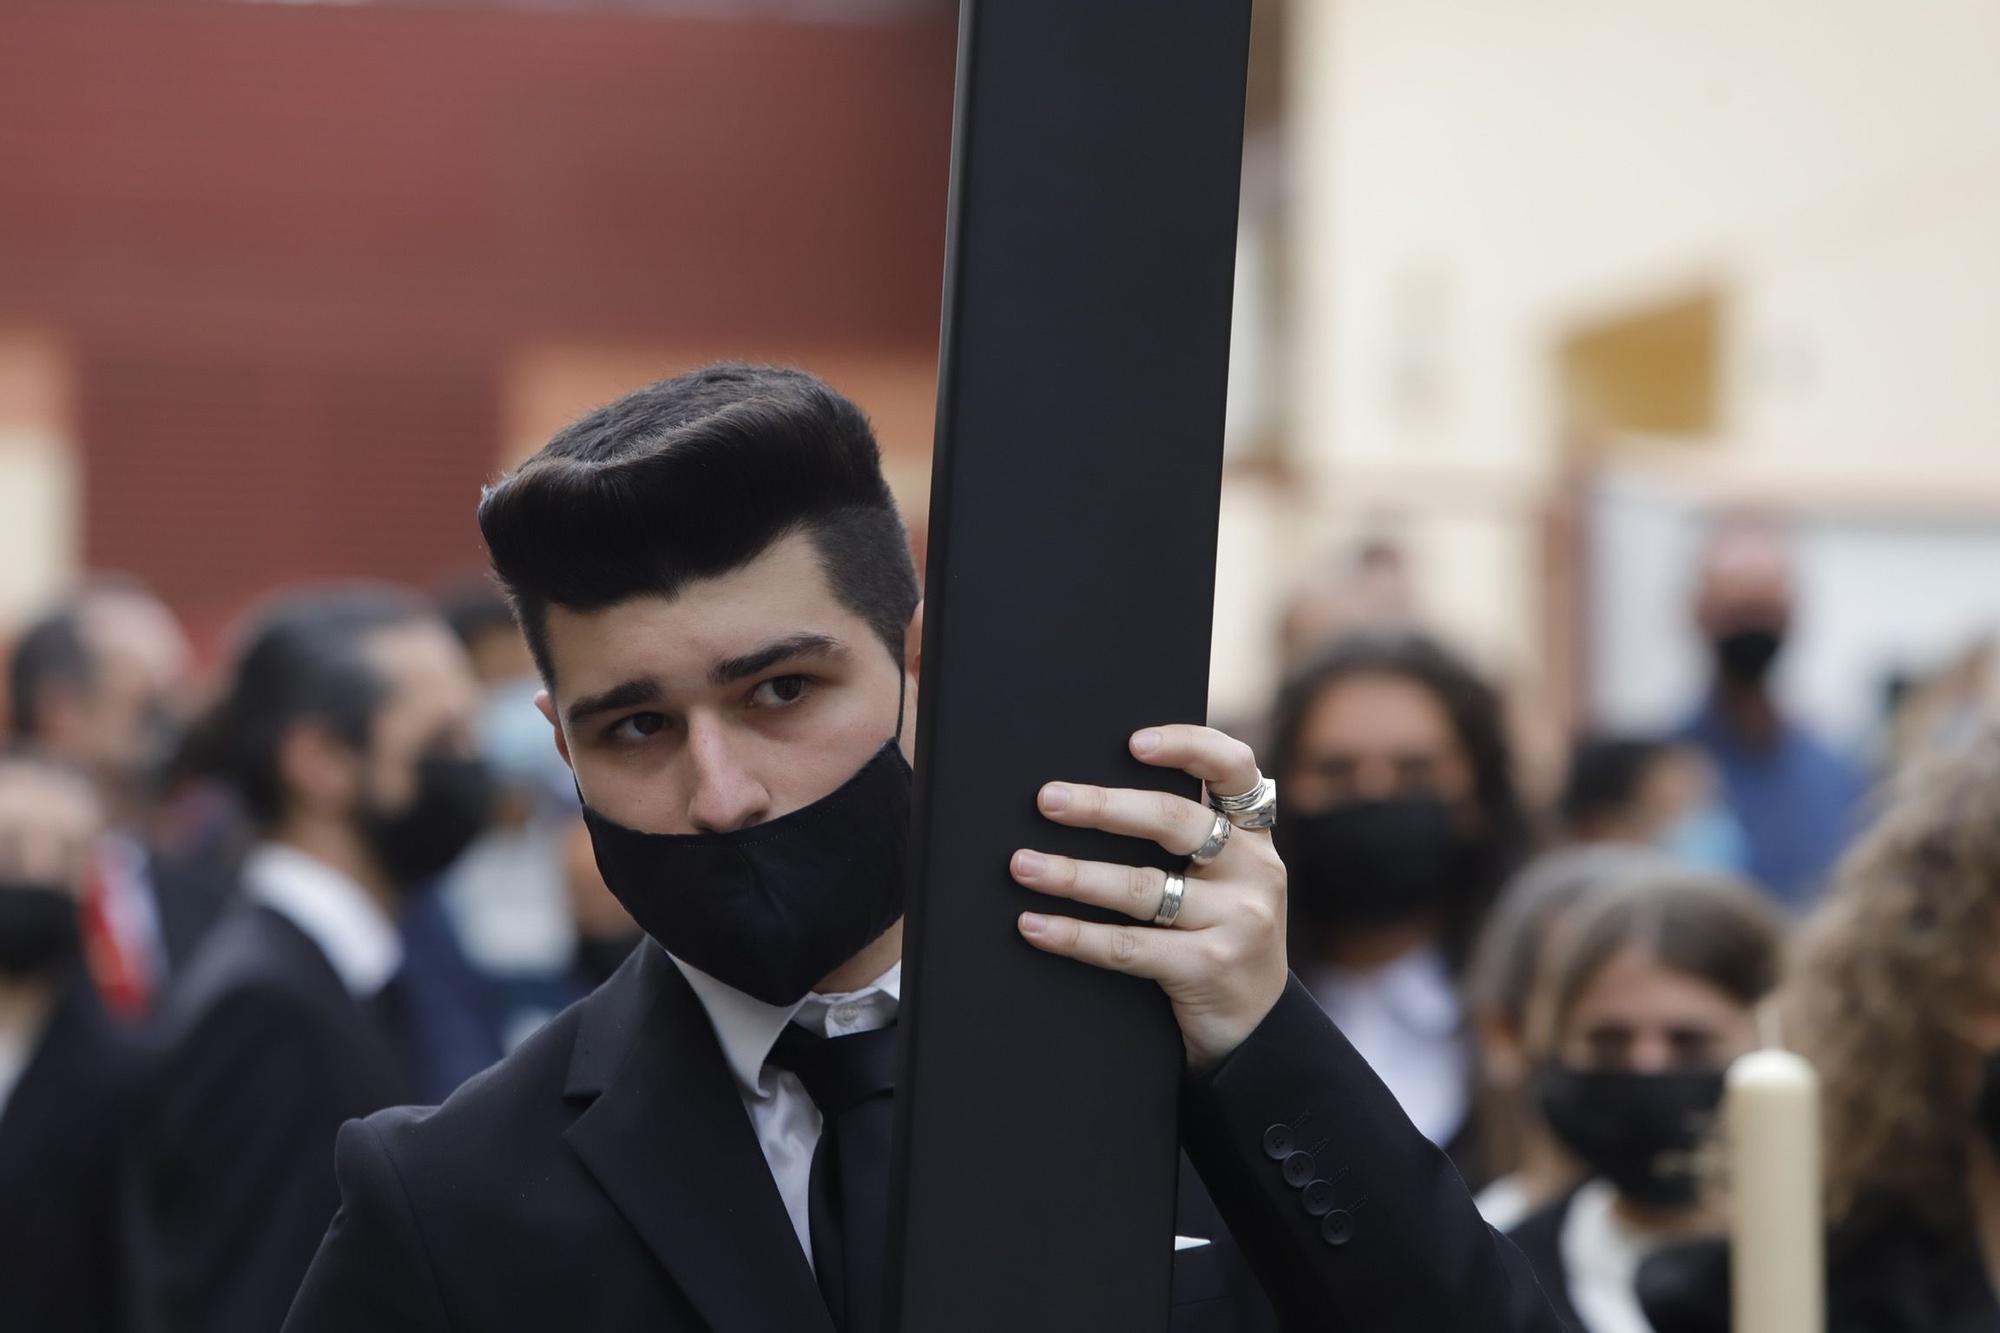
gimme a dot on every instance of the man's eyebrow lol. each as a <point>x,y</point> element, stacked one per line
<point>733,669</point>
<point>625,694</point>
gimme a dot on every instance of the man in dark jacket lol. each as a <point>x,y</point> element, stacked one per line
<point>721,600</point>
<point>347,732</point>
<point>66,1072</point>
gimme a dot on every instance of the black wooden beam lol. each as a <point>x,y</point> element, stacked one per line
<point>1097,147</point>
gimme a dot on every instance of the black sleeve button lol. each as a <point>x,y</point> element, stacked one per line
<point>1337,1227</point>
<point>1299,1169</point>
<point>1279,1142</point>
<point>1318,1198</point>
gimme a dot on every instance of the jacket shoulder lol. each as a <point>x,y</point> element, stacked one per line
<point>512,1111</point>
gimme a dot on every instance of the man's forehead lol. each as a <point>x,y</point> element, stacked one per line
<point>681,639</point>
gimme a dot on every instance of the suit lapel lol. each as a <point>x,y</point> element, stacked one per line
<point>666,1137</point>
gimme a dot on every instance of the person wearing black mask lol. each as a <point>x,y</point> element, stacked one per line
<point>1647,992</point>
<point>1893,994</point>
<point>346,728</point>
<point>1794,798</point>
<point>723,607</point>
<point>1399,824</point>
<point>66,1071</point>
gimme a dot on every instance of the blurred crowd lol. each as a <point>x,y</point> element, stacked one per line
<point>348,872</point>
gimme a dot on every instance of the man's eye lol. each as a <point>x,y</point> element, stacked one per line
<point>637,727</point>
<point>781,690</point>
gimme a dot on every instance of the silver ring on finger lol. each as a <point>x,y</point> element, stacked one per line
<point>1253,809</point>
<point>1171,894</point>
<point>1218,838</point>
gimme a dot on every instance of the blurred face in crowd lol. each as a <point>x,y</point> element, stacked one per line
<point>1744,603</point>
<point>744,697</point>
<point>1377,738</point>
<point>1379,816</point>
<point>416,792</point>
<point>49,825</point>
<point>121,725</point>
<point>1639,1016</point>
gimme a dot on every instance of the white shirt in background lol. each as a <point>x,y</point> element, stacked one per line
<point>786,1122</point>
<point>1600,1259</point>
<point>1405,1020</point>
<point>335,913</point>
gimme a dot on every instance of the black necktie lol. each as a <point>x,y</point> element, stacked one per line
<point>852,1081</point>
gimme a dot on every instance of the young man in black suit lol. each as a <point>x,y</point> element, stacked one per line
<point>346,730</point>
<point>66,1070</point>
<point>721,599</point>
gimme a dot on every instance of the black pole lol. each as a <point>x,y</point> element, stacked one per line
<point>1097,147</point>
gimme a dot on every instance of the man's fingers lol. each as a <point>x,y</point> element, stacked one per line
<point>1139,951</point>
<point>1174,822</point>
<point>1226,764</point>
<point>1134,890</point>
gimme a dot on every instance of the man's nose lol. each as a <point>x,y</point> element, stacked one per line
<point>1375,779</point>
<point>724,795</point>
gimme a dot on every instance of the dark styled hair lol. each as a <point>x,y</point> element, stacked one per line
<point>690,478</point>
<point>1605,775</point>
<point>304,658</point>
<point>50,653</point>
<point>1476,720</point>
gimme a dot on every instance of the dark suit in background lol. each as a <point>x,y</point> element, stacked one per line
<point>605,1176</point>
<point>262,1054</point>
<point>62,1136</point>
<point>1895,1276</point>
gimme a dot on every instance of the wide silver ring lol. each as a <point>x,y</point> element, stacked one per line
<point>1170,899</point>
<point>1218,838</point>
<point>1253,809</point>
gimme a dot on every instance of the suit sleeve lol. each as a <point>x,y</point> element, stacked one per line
<point>372,1270</point>
<point>1353,1221</point>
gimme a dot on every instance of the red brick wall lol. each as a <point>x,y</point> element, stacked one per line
<point>293,248</point>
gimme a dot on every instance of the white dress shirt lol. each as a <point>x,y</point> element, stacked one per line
<point>1404,1019</point>
<point>335,913</point>
<point>23,1016</point>
<point>1600,1259</point>
<point>786,1122</point>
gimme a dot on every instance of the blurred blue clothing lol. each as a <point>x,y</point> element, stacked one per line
<point>1796,800</point>
<point>455,1013</point>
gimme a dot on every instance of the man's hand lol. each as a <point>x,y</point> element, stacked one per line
<point>1222,963</point>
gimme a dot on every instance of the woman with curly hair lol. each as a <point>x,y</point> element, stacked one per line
<point>1895,998</point>
<point>1398,822</point>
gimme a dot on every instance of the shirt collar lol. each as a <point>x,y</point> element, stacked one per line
<point>747,1027</point>
<point>334,911</point>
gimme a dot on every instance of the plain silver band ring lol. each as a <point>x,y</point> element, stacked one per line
<point>1218,838</point>
<point>1170,899</point>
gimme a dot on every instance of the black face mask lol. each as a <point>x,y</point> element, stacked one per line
<point>1638,1131</point>
<point>1371,862</point>
<point>41,929</point>
<point>1745,656</point>
<point>772,908</point>
<point>454,800</point>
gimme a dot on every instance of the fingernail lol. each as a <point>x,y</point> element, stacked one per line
<point>1034,923</point>
<point>1028,863</point>
<point>1146,742</point>
<point>1055,796</point>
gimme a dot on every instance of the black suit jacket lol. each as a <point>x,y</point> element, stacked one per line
<point>604,1176</point>
<point>62,1137</point>
<point>262,1054</point>
<point>1539,1237</point>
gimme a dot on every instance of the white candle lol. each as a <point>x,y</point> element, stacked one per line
<point>1777,1237</point>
